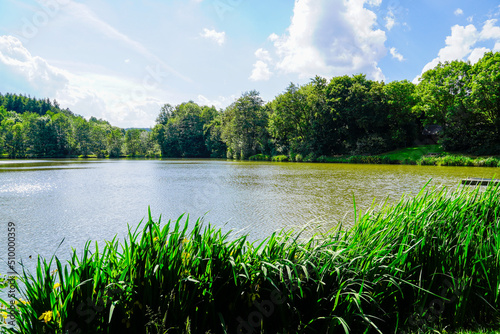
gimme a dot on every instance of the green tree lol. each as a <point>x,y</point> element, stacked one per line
<point>358,113</point>
<point>82,136</point>
<point>14,138</point>
<point>289,121</point>
<point>442,92</point>
<point>114,142</point>
<point>402,118</point>
<point>63,134</point>
<point>133,142</point>
<point>244,126</point>
<point>484,98</point>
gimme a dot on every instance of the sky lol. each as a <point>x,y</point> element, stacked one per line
<point>121,60</point>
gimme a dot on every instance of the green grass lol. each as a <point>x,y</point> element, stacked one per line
<point>426,263</point>
<point>414,153</point>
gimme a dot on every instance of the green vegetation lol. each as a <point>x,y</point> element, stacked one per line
<point>455,104</point>
<point>40,128</point>
<point>414,153</point>
<point>259,157</point>
<point>426,263</point>
<point>354,116</point>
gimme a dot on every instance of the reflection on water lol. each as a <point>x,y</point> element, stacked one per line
<point>78,200</point>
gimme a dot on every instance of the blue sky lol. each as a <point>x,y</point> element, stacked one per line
<point>120,60</point>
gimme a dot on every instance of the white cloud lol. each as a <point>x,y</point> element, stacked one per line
<point>331,37</point>
<point>460,44</point>
<point>396,54</point>
<point>490,31</point>
<point>496,48</point>
<point>477,54</point>
<point>260,71</point>
<point>273,37</point>
<point>390,20</point>
<point>34,70</point>
<point>458,12</point>
<point>219,102</point>
<point>217,37</point>
<point>121,101</point>
<point>263,55</point>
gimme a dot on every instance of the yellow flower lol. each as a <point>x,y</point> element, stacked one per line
<point>46,316</point>
<point>4,314</point>
<point>57,285</point>
<point>155,239</point>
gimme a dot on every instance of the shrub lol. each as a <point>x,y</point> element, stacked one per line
<point>259,157</point>
<point>311,157</point>
<point>280,158</point>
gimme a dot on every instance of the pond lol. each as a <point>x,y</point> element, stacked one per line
<point>79,200</point>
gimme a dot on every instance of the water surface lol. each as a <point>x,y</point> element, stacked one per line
<point>80,200</point>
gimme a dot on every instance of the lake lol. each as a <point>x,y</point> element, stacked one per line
<point>80,200</point>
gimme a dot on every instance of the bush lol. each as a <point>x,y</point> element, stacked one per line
<point>322,158</point>
<point>299,158</point>
<point>280,158</point>
<point>427,161</point>
<point>311,157</point>
<point>259,157</point>
<point>372,144</point>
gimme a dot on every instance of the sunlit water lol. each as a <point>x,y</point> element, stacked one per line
<point>79,200</point>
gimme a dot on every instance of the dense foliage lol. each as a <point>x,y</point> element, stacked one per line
<point>429,262</point>
<point>347,115</point>
<point>40,128</point>
<point>356,116</point>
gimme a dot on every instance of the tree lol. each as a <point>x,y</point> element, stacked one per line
<point>289,120</point>
<point>114,142</point>
<point>244,126</point>
<point>82,136</point>
<point>133,142</point>
<point>14,138</point>
<point>400,101</point>
<point>484,98</point>
<point>442,91</point>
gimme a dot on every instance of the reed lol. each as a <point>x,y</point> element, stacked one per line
<point>427,262</point>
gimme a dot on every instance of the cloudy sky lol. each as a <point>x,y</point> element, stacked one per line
<point>120,60</point>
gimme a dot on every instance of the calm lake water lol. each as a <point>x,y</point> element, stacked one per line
<point>80,200</point>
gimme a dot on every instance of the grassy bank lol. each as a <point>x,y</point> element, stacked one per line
<point>428,262</point>
<point>432,155</point>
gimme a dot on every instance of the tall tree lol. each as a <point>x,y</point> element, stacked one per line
<point>244,126</point>
<point>485,99</point>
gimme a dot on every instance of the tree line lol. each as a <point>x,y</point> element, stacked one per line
<point>346,115</point>
<point>31,127</point>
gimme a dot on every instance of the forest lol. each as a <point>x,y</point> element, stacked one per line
<point>346,115</point>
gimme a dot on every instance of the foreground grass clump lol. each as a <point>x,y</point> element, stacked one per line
<point>429,262</point>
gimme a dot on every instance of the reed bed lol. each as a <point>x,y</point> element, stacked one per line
<point>427,262</point>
